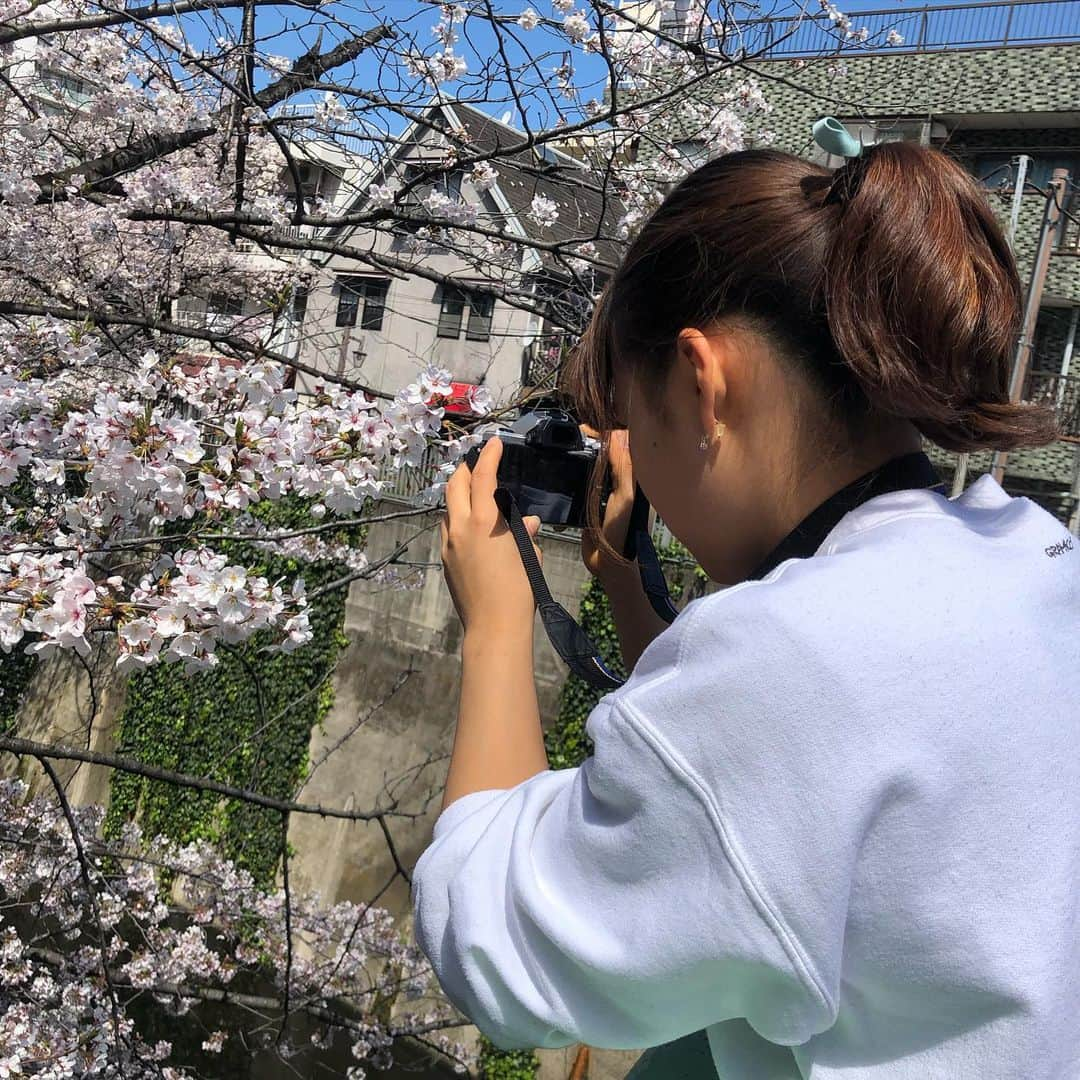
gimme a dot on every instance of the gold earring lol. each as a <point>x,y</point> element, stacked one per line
<point>719,434</point>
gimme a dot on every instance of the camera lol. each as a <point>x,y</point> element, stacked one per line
<point>546,465</point>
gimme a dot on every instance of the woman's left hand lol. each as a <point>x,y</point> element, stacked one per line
<point>481,562</point>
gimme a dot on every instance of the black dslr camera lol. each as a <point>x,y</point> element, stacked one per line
<point>546,465</point>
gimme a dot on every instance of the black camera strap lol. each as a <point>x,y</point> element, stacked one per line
<point>639,546</point>
<point>569,640</point>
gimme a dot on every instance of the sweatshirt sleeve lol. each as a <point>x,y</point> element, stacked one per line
<point>600,904</point>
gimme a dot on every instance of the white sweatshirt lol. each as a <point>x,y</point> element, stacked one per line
<point>833,817</point>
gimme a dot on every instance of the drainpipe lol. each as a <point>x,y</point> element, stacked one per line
<point>1051,214</point>
<point>1066,356</point>
<point>1074,520</point>
<point>1022,166</point>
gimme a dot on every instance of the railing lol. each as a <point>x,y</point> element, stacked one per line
<point>987,25</point>
<point>406,483</point>
<point>543,359</point>
<point>1063,393</point>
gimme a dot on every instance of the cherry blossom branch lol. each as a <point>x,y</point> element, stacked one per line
<point>91,892</point>
<point>167,326</point>
<point>259,1002</point>
<point>46,27</point>
<point>26,747</point>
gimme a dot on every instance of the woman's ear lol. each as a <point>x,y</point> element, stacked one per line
<point>705,359</point>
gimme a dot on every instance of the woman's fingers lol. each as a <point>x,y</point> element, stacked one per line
<point>485,478</point>
<point>458,493</point>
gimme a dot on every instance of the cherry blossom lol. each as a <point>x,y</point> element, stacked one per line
<point>103,920</point>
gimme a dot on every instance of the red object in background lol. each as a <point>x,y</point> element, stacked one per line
<point>460,399</point>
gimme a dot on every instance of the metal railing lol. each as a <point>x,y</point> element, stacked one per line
<point>407,482</point>
<point>990,24</point>
<point>1063,393</point>
<point>542,360</point>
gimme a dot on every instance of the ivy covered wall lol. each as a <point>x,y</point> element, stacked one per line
<point>247,722</point>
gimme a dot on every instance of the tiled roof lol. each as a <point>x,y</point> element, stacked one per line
<point>585,210</point>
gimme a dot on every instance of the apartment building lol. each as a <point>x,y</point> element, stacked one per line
<point>331,168</point>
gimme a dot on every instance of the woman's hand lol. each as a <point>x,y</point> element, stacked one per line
<point>481,562</point>
<point>635,621</point>
<point>616,516</point>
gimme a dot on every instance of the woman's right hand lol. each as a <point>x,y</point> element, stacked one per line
<point>616,521</point>
<point>635,621</point>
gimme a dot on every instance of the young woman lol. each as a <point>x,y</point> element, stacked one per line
<point>833,816</point>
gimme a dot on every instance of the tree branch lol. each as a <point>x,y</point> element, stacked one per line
<point>167,326</point>
<point>14,745</point>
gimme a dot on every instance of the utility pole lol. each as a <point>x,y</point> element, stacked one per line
<point>1051,215</point>
<point>1023,163</point>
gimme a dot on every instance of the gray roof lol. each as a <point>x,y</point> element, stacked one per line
<point>586,210</point>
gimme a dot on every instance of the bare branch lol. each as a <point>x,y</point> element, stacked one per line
<point>14,745</point>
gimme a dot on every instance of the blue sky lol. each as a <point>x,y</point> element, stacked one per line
<point>283,32</point>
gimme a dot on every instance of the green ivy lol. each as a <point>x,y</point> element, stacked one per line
<point>246,722</point>
<point>16,671</point>
<point>566,741</point>
<point>496,1064</point>
<point>568,745</point>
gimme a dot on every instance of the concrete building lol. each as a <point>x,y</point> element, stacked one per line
<point>453,305</point>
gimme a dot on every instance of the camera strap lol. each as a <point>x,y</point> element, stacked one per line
<point>568,639</point>
<point>639,546</point>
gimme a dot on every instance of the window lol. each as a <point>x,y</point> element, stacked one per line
<point>368,292</point>
<point>452,313</point>
<point>695,152</point>
<point>453,307</point>
<point>70,88</point>
<point>481,305</point>
<point>675,20</point>
<point>218,303</point>
<point>447,181</point>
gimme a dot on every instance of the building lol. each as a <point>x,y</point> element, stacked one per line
<point>395,296</point>
<point>984,81</point>
<point>330,166</point>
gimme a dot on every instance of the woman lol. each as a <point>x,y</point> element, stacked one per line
<point>833,816</point>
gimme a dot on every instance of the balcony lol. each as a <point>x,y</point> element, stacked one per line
<point>992,24</point>
<point>1062,392</point>
<point>542,360</point>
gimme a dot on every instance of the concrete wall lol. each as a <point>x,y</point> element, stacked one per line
<point>71,703</point>
<point>393,745</point>
<point>397,742</point>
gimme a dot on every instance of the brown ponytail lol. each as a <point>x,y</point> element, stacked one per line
<point>888,283</point>
<point>923,299</point>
